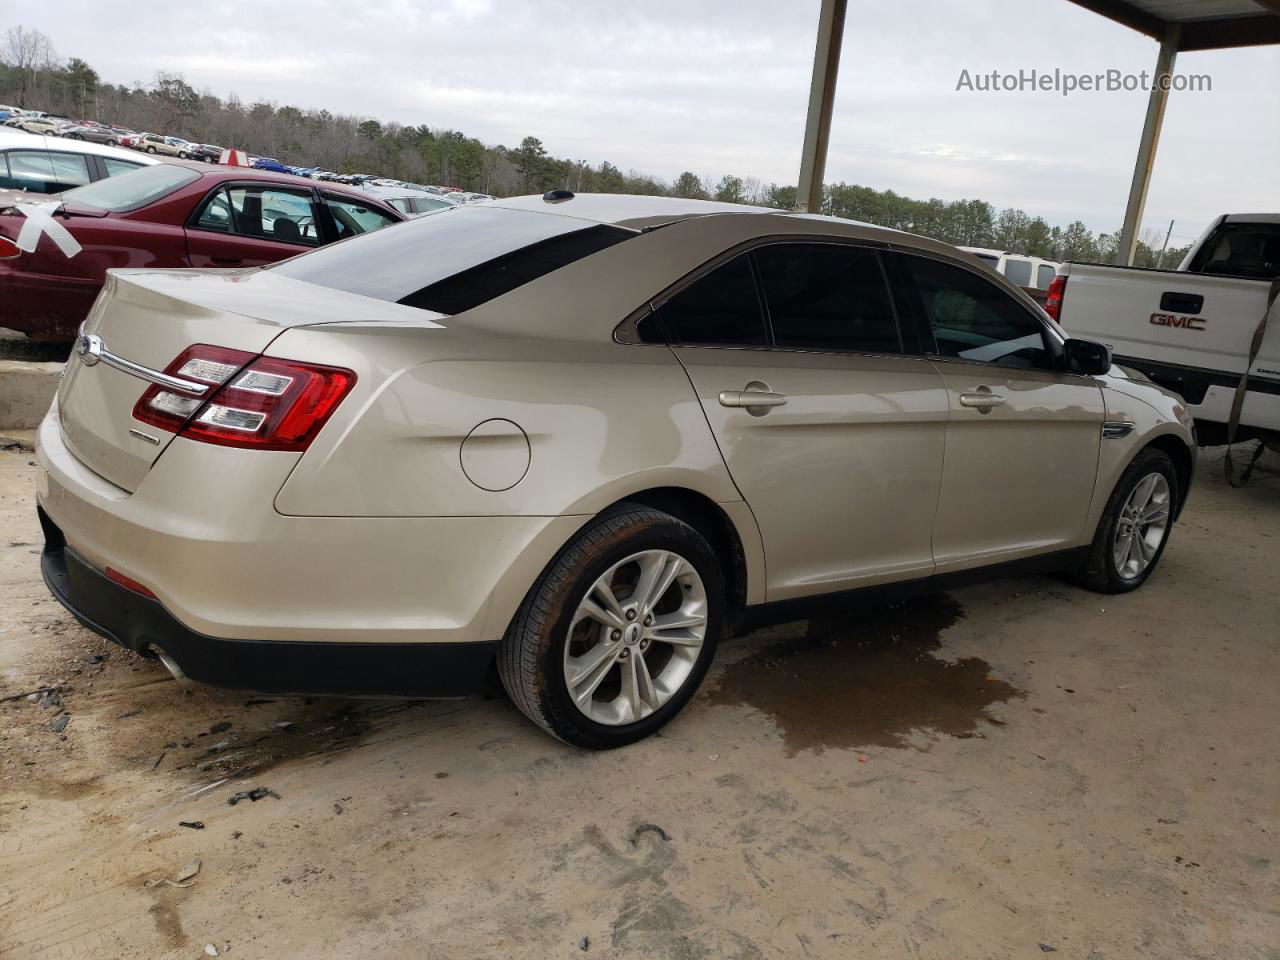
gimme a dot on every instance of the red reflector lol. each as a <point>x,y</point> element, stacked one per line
<point>115,576</point>
<point>263,404</point>
<point>8,249</point>
<point>1053,303</point>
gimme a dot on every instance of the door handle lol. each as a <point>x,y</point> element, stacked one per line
<point>981,399</point>
<point>756,398</point>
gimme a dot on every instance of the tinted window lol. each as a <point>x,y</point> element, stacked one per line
<point>40,171</point>
<point>827,297</point>
<point>973,319</point>
<point>350,217</point>
<point>1241,250</point>
<point>116,167</point>
<point>1018,271</point>
<point>1044,275</point>
<point>401,265</point>
<point>128,191</point>
<point>720,308</point>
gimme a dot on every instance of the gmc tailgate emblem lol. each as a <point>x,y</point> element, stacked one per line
<point>1173,320</point>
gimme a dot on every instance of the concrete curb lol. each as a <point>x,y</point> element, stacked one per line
<point>26,390</point>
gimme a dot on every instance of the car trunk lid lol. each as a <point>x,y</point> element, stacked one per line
<point>144,320</point>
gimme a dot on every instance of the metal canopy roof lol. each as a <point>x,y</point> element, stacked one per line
<point>1205,24</point>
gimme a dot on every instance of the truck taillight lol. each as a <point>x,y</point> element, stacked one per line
<point>263,403</point>
<point>1053,303</point>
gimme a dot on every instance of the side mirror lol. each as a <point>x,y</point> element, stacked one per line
<point>1089,357</point>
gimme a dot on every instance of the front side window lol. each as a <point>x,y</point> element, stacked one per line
<point>973,319</point>
<point>351,217</point>
<point>825,296</point>
<point>718,309</point>
<point>41,171</point>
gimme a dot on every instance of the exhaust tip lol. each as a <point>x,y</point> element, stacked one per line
<point>172,666</point>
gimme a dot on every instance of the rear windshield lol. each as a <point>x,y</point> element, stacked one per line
<point>455,260</point>
<point>1241,250</point>
<point>137,188</point>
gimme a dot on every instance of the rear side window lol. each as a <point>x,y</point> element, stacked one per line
<point>1018,271</point>
<point>116,167</point>
<point>826,296</point>
<point>1044,276</point>
<point>268,213</point>
<point>40,171</point>
<point>132,190</point>
<point>456,260</point>
<point>718,309</point>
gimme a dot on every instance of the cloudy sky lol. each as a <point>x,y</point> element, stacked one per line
<point>662,86</point>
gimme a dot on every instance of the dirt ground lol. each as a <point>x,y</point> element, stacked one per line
<point>1008,770</point>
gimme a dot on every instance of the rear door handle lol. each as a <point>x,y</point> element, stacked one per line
<point>750,398</point>
<point>981,399</point>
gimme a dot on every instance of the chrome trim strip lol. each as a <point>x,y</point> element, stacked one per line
<point>92,349</point>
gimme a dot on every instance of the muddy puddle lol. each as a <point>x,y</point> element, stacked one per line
<point>867,678</point>
<point>251,744</point>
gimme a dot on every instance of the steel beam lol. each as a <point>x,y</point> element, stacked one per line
<point>822,92</point>
<point>1128,244</point>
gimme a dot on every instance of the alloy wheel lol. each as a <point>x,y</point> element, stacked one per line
<point>1141,527</point>
<point>635,637</point>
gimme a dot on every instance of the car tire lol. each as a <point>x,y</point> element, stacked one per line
<point>1134,527</point>
<point>151,149</point>
<point>536,657</point>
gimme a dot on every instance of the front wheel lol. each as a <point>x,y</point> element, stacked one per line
<point>616,635</point>
<point>1134,527</point>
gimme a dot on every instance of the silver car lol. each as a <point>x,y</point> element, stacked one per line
<point>584,438</point>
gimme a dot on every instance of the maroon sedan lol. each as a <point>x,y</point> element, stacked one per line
<point>166,215</point>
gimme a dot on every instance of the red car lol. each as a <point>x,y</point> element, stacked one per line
<point>165,215</point>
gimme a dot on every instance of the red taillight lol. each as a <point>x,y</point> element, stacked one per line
<point>1053,303</point>
<point>263,403</point>
<point>115,576</point>
<point>8,249</point>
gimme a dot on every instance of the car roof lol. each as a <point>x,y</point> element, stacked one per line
<point>271,176</point>
<point>11,138</point>
<point>626,210</point>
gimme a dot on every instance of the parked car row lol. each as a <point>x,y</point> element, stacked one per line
<point>171,214</point>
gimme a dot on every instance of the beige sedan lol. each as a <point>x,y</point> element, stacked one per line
<point>584,438</point>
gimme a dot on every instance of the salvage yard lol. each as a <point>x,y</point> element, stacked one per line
<point>1008,770</point>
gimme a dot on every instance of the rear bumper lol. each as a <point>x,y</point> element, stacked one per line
<point>143,625</point>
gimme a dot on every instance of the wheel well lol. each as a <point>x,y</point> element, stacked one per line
<point>704,515</point>
<point>1181,456</point>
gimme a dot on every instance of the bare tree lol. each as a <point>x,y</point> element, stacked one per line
<point>26,51</point>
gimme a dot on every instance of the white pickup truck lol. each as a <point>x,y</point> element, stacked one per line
<point>1191,329</point>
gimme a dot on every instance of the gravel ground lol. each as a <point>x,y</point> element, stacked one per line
<point>1006,770</point>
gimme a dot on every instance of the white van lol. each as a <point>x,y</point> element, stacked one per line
<point>1034,273</point>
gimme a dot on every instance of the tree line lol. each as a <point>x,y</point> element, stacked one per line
<point>33,76</point>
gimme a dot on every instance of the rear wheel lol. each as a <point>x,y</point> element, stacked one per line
<point>1134,527</point>
<point>151,149</point>
<point>618,632</point>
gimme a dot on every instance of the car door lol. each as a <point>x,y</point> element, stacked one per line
<point>1023,439</point>
<point>250,224</point>
<point>832,430</point>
